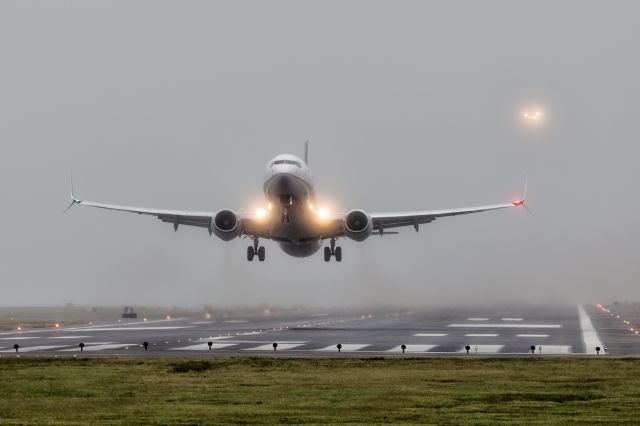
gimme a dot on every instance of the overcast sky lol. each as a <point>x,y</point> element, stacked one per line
<point>408,105</point>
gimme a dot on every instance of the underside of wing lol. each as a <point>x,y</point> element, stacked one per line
<point>176,217</point>
<point>382,221</point>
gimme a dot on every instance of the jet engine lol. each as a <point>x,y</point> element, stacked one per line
<point>226,225</point>
<point>357,225</point>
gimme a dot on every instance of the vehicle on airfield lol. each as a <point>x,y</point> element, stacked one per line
<point>291,218</point>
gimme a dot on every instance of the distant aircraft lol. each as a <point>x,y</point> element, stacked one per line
<point>291,218</point>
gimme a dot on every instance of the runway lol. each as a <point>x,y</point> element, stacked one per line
<point>495,331</point>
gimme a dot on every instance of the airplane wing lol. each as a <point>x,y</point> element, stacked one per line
<point>383,221</point>
<point>176,217</point>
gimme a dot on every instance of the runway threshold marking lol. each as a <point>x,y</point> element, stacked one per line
<point>92,348</point>
<point>204,347</point>
<point>508,325</point>
<point>590,337</point>
<point>20,338</point>
<point>346,347</point>
<point>269,347</point>
<point>165,327</point>
<point>532,335</point>
<point>484,349</point>
<point>481,335</point>
<point>34,348</point>
<point>555,349</point>
<point>431,334</point>
<point>413,348</point>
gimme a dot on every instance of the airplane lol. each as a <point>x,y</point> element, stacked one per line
<point>290,217</point>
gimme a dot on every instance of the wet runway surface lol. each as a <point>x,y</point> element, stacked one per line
<point>502,330</point>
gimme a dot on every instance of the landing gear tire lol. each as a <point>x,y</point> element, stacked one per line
<point>338,254</point>
<point>250,253</point>
<point>261,254</point>
<point>327,254</point>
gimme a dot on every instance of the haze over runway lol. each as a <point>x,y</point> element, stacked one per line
<point>551,329</point>
<point>408,106</point>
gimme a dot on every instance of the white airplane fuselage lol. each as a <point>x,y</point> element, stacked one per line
<point>288,189</point>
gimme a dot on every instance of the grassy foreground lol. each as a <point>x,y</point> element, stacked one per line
<point>280,390</point>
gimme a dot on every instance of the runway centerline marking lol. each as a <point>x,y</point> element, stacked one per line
<point>477,319</point>
<point>431,334</point>
<point>590,337</point>
<point>471,325</point>
<point>512,319</point>
<point>481,335</point>
<point>532,335</point>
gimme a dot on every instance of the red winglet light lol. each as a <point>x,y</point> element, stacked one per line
<point>517,203</point>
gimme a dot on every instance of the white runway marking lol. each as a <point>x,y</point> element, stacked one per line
<point>34,348</point>
<point>165,327</point>
<point>201,322</point>
<point>589,334</point>
<point>235,321</point>
<point>532,335</point>
<point>70,337</point>
<point>205,347</point>
<point>506,325</point>
<point>484,349</point>
<point>511,319</point>
<point>92,327</point>
<point>554,349</point>
<point>413,348</point>
<point>481,335</point>
<point>477,319</point>
<point>20,338</point>
<point>431,334</point>
<point>90,348</point>
<point>346,347</point>
<point>269,347</point>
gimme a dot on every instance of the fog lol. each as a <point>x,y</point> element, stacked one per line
<point>407,105</point>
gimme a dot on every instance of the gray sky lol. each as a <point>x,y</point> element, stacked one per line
<point>408,105</point>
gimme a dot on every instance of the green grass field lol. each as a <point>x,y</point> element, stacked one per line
<point>281,390</point>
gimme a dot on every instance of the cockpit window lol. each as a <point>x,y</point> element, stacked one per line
<point>295,163</point>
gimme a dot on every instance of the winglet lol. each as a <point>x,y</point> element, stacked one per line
<point>74,200</point>
<point>521,202</point>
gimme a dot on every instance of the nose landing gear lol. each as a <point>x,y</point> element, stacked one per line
<point>333,251</point>
<point>254,250</point>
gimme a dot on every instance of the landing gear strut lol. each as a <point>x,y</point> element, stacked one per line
<point>333,251</point>
<point>254,250</point>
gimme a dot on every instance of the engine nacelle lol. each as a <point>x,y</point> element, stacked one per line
<point>357,225</point>
<point>226,225</point>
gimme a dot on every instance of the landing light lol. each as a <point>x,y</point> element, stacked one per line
<point>323,213</point>
<point>261,213</point>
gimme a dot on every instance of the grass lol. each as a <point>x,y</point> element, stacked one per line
<point>319,391</point>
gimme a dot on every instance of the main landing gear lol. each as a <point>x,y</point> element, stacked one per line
<point>254,250</point>
<point>333,251</point>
